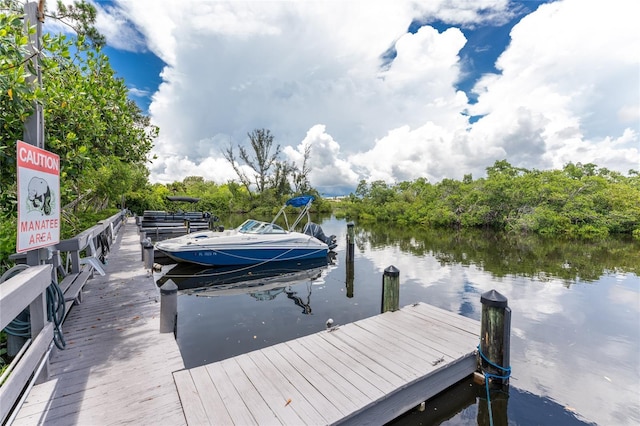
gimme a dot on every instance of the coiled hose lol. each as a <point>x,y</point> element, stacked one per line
<point>21,326</point>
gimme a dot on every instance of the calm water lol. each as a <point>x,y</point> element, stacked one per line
<point>575,344</point>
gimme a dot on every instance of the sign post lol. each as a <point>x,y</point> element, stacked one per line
<point>34,126</point>
<point>38,198</point>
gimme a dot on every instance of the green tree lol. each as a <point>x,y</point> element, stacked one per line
<point>16,98</point>
<point>580,201</point>
<point>301,176</point>
<point>260,159</point>
<point>80,16</point>
<point>91,123</point>
<point>101,136</point>
<point>272,177</point>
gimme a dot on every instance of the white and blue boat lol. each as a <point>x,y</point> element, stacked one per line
<point>254,242</point>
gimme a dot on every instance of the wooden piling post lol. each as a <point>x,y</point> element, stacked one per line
<point>143,237</point>
<point>350,241</point>
<point>147,248</point>
<point>168,307</point>
<point>349,258</point>
<point>350,276</point>
<point>495,331</point>
<point>390,289</point>
<point>493,411</point>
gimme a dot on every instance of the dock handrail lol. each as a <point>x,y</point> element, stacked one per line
<point>97,239</point>
<point>27,289</point>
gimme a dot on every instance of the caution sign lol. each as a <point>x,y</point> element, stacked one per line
<point>38,197</point>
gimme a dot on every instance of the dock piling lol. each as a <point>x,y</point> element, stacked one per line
<point>390,289</point>
<point>350,241</point>
<point>168,307</point>
<point>349,259</point>
<point>349,279</point>
<point>143,237</point>
<point>495,330</point>
<point>147,255</point>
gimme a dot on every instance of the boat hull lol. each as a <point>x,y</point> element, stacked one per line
<point>231,248</point>
<point>242,256</point>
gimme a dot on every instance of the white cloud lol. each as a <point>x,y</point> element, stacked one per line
<point>114,24</point>
<point>214,169</point>
<point>571,70</point>
<point>111,21</point>
<point>327,169</point>
<point>315,73</point>
<point>140,93</point>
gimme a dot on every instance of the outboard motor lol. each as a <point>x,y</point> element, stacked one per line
<point>213,219</point>
<point>315,230</point>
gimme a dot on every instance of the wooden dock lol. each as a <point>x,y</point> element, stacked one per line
<point>367,372</point>
<point>117,368</point>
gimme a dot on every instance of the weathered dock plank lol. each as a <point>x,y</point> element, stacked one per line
<point>370,371</point>
<point>268,390</point>
<point>285,389</point>
<point>195,412</point>
<point>372,385</point>
<point>117,368</point>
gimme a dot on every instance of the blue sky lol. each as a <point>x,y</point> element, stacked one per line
<point>141,72</point>
<point>389,90</point>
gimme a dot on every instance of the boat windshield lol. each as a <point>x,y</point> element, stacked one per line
<point>257,227</point>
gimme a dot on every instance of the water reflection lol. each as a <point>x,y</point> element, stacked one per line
<point>464,404</point>
<point>576,308</point>
<point>263,282</point>
<point>575,327</point>
<point>196,278</point>
<point>504,254</point>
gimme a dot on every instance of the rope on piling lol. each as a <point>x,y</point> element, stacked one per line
<point>487,376</point>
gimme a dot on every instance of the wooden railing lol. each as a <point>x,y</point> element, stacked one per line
<point>27,289</point>
<point>70,263</point>
<point>74,268</point>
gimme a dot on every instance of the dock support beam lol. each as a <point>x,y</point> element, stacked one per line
<point>390,289</point>
<point>168,307</point>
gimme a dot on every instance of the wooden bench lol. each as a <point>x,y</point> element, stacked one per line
<point>72,285</point>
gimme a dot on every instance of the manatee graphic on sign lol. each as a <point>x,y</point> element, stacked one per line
<point>38,197</point>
